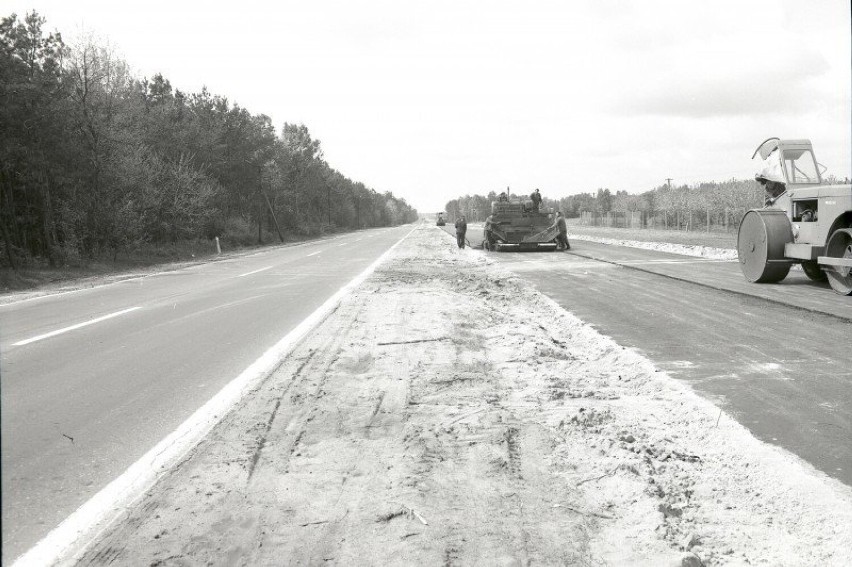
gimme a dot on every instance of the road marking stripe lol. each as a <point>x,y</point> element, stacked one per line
<point>646,262</point>
<point>70,538</point>
<point>314,254</point>
<point>74,327</point>
<point>254,272</point>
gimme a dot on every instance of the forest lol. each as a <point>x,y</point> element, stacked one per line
<point>733,197</point>
<point>718,203</point>
<point>96,162</point>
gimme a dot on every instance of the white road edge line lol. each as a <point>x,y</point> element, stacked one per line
<point>254,272</point>
<point>83,526</point>
<point>313,254</point>
<point>73,327</point>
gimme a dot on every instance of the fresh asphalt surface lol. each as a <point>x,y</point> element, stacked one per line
<point>777,357</point>
<point>80,406</point>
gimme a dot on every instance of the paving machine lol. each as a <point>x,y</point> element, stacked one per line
<point>804,221</point>
<point>441,221</point>
<point>515,224</point>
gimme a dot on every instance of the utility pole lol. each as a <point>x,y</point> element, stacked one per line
<point>669,182</point>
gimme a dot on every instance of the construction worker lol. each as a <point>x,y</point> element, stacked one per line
<point>535,197</point>
<point>486,232</point>
<point>772,179</point>
<point>561,232</point>
<point>503,198</point>
<point>461,230</point>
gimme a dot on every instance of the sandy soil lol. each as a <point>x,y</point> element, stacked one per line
<point>448,414</point>
<point>709,252</point>
<point>714,239</point>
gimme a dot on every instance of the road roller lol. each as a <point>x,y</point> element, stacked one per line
<point>515,224</point>
<point>804,221</point>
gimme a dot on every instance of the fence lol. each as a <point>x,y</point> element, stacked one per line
<point>726,220</point>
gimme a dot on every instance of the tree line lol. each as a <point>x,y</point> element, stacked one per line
<point>94,160</point>
<point>735,196</point>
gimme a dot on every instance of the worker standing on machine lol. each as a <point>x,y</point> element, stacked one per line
<point>461,230</point>
<point>561,233</point>
<point>535,197</point>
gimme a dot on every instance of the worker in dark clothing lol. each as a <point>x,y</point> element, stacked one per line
<point>561,233</point>
<point>535,197</point>
<point>489,238</point>
<point>503,198</point>
<point>461,230</point>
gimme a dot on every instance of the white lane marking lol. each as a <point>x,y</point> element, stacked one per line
<point>90,520</point>
<point>647,262</point>
<point>254,272</point>
<point>74,327</point>
<point>314,254</point>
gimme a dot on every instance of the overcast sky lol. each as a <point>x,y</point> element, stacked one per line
<point>435,99</point>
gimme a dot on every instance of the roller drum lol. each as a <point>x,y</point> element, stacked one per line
<point>760,245</point>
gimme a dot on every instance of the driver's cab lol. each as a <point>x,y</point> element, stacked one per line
<point>795,158</point>
<point>792,164</point>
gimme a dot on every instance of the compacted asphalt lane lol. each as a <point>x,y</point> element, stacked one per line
<point>93,379</point>
<point>778,357</point>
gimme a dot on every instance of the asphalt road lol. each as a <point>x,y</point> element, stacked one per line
<point>93,379</point>
<point>777,357</point>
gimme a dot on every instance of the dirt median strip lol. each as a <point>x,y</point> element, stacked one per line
<point>447,413</point>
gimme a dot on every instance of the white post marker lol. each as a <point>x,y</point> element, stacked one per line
<point>218,248</point>
<point>69,539</point>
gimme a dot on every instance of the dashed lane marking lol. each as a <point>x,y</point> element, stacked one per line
<point>254,272</point>
<point>74,327</point>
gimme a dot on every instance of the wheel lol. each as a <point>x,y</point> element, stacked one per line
<point>760,245</point>
<point>840,246</point>
<point>813,271</point>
